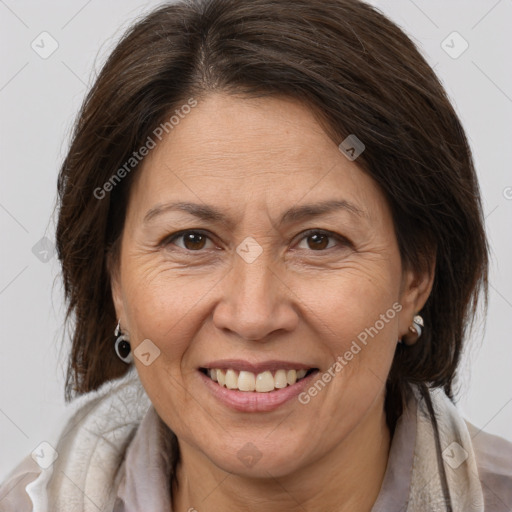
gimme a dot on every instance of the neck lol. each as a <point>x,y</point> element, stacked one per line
<point>347,478</point>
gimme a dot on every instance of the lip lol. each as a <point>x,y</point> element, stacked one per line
<point>251,401</point>
<point>241,365</point>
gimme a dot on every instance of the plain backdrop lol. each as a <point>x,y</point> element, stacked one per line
<point>39,97</point>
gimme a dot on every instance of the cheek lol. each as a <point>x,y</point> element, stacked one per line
<point>167,307</point>
<point>351,299</point>
<point>355,313</point>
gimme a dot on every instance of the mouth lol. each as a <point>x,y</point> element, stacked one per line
<point>250,382</point>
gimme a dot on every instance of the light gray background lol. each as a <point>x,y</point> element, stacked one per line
<point>38,101</point>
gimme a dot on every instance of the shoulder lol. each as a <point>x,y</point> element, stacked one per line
<point>89,452</point>
<point>494,461</point>
<point>13,494</point>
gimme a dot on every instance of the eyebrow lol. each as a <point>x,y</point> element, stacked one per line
<point>294,214</point>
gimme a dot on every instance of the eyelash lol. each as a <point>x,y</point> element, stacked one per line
<point>341,239</point>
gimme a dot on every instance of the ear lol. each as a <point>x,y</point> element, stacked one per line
<point>415,290</point>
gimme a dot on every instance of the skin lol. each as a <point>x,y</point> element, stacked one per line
<point>303,299</point>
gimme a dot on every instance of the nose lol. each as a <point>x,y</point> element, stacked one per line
<point>256,303</point>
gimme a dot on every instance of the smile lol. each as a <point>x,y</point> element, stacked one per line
<point>263,382</point>
<point>255,392</point>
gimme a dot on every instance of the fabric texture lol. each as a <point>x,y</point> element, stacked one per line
<point>116,454</point>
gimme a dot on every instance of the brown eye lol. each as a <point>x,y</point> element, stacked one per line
<point>319,240</point>
<point>192,240</point>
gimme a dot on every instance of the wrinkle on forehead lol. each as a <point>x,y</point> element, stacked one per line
<point>266,154</point>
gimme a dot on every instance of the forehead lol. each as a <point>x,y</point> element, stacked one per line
<point>237,152</point>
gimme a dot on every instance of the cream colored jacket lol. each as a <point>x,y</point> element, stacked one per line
<point>116,454</point>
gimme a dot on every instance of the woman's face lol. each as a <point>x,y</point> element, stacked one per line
<point>254,273</point>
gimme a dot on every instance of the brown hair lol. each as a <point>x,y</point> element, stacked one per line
<point>360,74</point>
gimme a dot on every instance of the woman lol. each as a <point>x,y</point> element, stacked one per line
<point>263,230</point>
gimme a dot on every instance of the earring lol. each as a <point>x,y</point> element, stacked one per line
<point>122,345</point>
<point>415,331</point>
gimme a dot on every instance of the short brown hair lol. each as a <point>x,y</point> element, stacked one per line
<point>360,74</point>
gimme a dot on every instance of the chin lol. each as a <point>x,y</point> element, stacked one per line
<point>255,461</point>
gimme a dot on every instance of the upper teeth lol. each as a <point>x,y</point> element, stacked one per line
<point>262,382</point>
